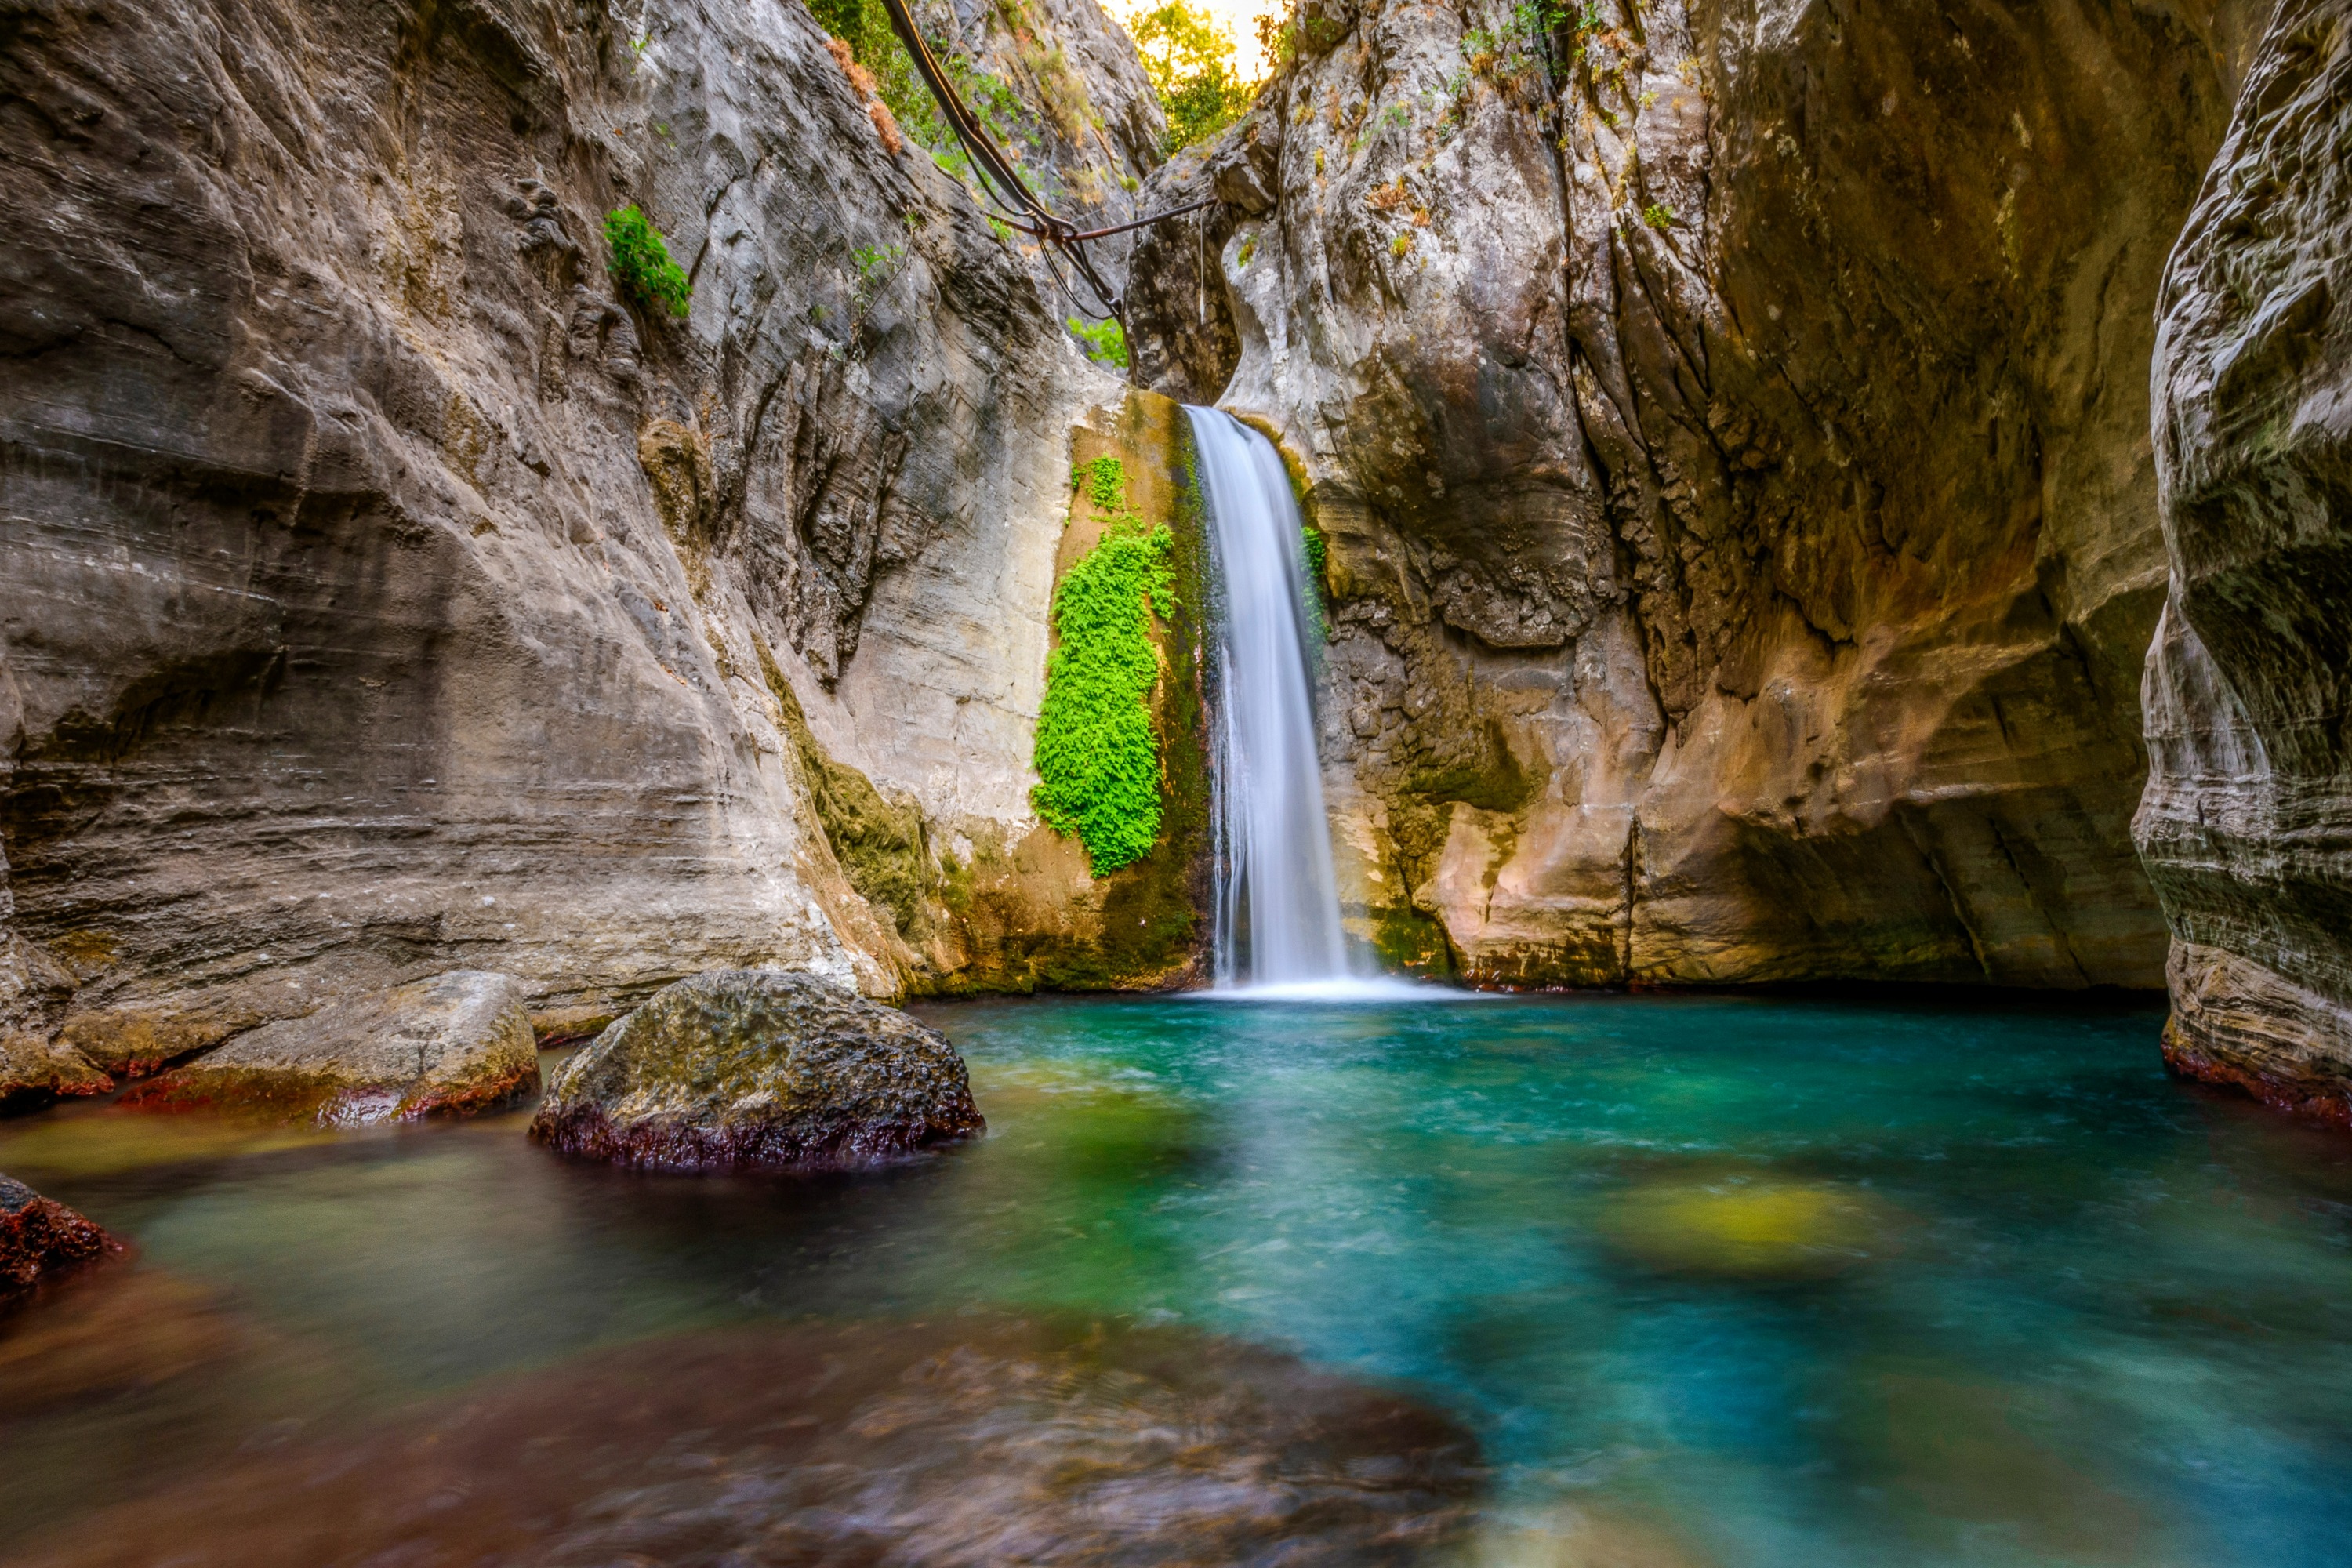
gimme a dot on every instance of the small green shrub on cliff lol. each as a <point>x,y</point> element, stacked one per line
<point>1105,342</point>
<point>1310,544</point>
<point>1098,759</point>
<point>641,263</point>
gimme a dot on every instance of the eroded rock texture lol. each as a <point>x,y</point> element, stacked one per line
<point>2247,821</point>
<point>1730,429</point>
<point>381,593</point>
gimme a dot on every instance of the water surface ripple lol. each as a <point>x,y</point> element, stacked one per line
<point>1714,1280</point>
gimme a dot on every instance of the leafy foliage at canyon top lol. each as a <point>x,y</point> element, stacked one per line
<point>1189,61</point>
<point>1098,757</point>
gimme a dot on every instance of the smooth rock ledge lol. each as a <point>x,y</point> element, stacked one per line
<point>451,1045</point>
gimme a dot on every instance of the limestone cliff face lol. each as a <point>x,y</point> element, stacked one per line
<point>2247,821</point>
<point>1729,427</point>
<point>382,594</point>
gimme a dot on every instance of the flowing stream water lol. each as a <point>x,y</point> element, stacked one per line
<point>1277,921</point>
<point>1716,1282</point>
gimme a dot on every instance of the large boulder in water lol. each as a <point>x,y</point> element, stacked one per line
<point>456,1044</point>
<point>758,1068</point>
<point>40,1237</point>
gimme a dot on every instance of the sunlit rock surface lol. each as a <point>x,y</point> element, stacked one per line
<point>968,1442</point>
<point>381,594</point>
<point>452,1045</point>
<point>2247,821</point>
<point>759,1068</point>
<point>1731,428</point>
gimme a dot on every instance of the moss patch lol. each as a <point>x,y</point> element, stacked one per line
<point>1411,942</point>
<point>1493,781</point>
<point>879,843</point>
<point>1097,757</point>
<point>1310,542</point>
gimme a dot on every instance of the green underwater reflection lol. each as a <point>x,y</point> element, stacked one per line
<point>1714,1280</point>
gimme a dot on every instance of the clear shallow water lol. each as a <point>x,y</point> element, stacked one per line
<point>1715,1281</point>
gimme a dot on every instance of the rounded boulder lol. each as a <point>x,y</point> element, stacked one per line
<point>759,1068</point>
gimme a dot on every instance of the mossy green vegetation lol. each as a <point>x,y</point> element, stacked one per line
<point>1105,340</point>
<point>641,263</point>
<point>879,843</point>
<point>1410,943</point>
<point>1311,546</point>
<point>1098,757</point>
<point>1102,481</point>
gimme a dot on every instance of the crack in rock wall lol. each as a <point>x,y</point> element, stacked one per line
<point>1729,427</point>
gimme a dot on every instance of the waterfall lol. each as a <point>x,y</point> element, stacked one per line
<point>1277,904</point>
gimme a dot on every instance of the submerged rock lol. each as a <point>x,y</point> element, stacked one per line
<point>1752,1229</point>
<point>456,1044</point>
<point>758,1068</point>
<point>40,1237</point>
<point>951,1444</point>
<point>117,1330</point>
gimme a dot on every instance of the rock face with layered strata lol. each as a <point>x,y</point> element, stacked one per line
<point>385,592</point>
<point>2246,825</point>
<point>454,1045</point>
<point>1729,428</point>
<point>759,1070</point>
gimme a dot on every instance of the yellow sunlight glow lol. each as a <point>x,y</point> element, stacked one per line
<point>1237,19</point>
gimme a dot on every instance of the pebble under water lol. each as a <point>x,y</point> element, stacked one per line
<point>1620,1281</point>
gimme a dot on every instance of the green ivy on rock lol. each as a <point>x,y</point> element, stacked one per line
<point>1098,757</point>
<point>641,262</point>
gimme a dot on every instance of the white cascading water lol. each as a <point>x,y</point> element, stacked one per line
<point>1276,893</point>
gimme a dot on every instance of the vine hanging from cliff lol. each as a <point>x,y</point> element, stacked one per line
<point>1098,757</point>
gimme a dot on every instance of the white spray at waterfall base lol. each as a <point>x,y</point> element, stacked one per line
<point>1276,931</point>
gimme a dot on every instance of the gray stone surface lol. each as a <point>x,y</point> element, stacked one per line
<point>380,594</point>
<point>451,1045</point>
<point>759,1068</point>
<point>2246,825</point>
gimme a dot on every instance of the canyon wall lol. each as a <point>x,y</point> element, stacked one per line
<point>2246,825</point>
<point>382,591</point>
<point>1728,422</point>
